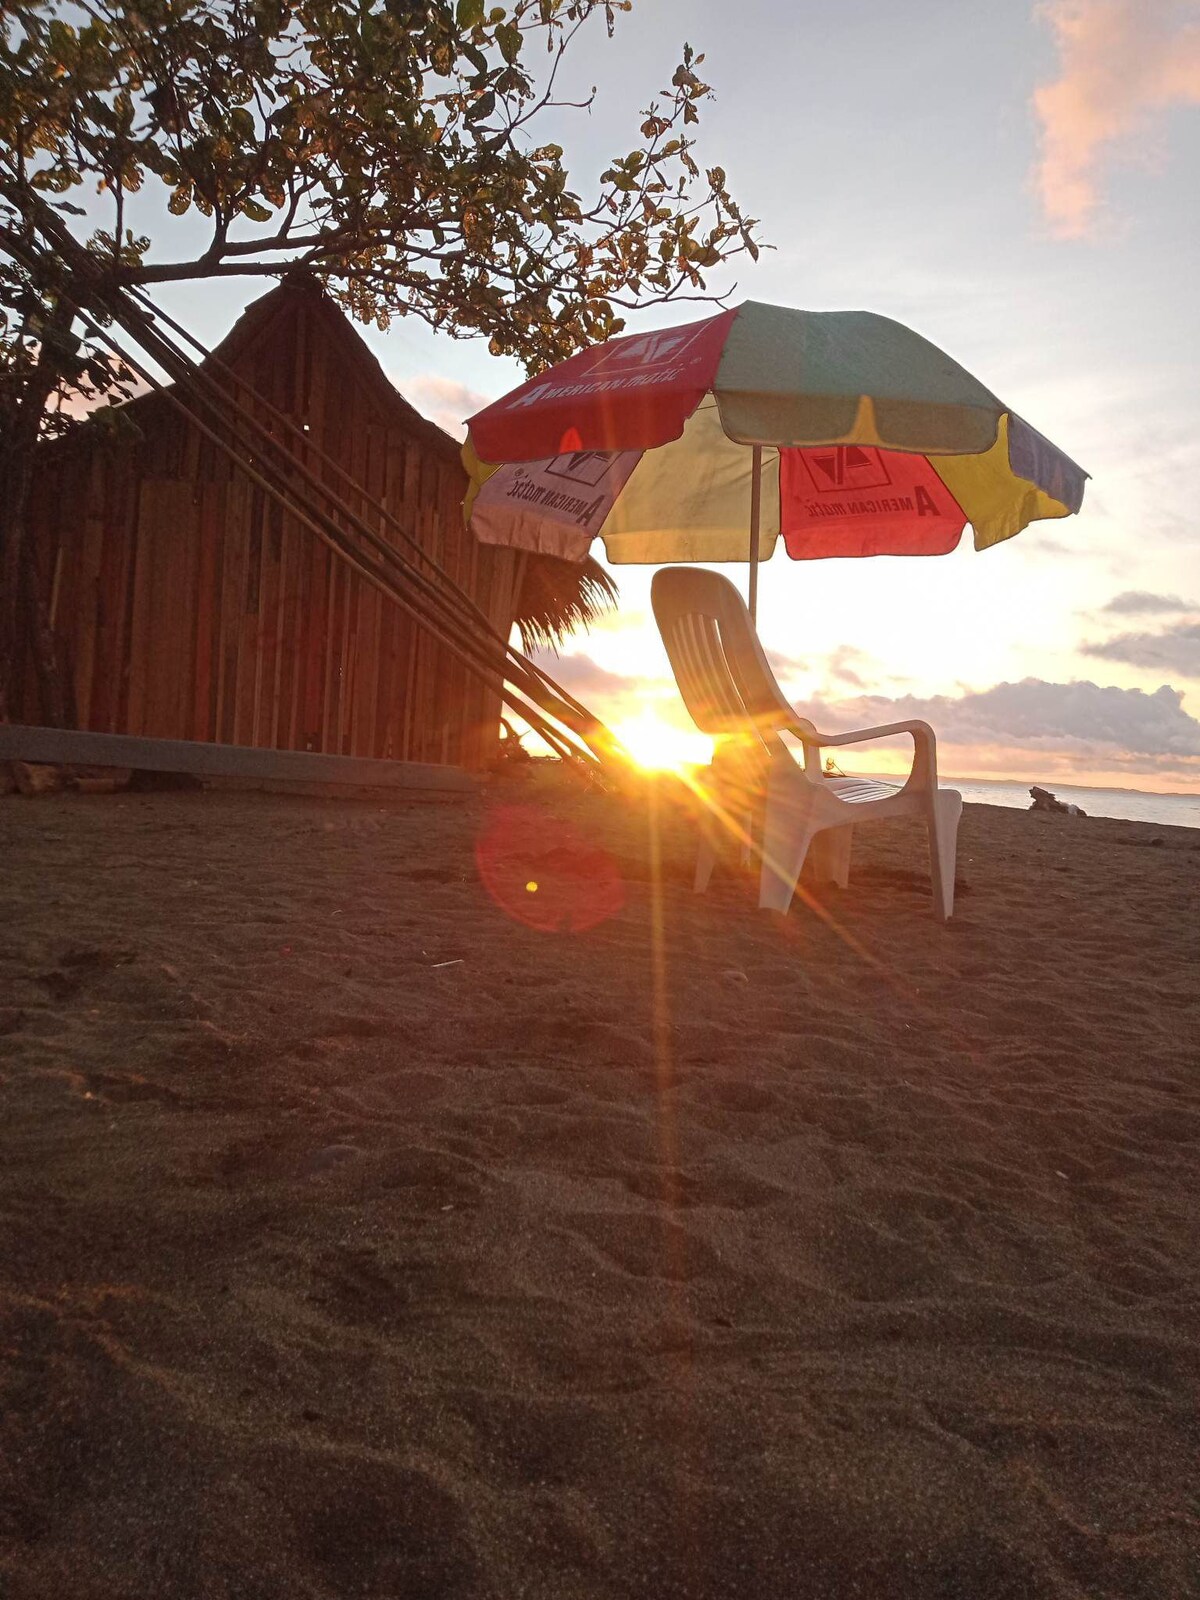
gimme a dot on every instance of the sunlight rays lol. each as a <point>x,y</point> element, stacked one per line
<point>662,746</point>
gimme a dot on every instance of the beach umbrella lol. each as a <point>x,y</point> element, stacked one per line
<point>844,432</point>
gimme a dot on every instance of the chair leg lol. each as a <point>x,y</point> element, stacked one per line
<point>782,865</point>
<point>945,809</point>
<point>715,836</point>
<point>706,860</point>
<point>788,829</point>
<point>708,849</point>
<point>831,855</point>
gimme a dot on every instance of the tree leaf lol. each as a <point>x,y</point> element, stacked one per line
<point>384,132</point>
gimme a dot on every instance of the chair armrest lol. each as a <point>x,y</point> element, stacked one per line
<point>924,767</point>
<point>810,735</point>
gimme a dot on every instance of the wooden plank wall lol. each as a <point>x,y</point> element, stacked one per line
<point>189,606</point>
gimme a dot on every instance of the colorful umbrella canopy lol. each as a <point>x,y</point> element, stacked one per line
<point>865,439</point>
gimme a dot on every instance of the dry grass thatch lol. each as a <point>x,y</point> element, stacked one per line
<point>557,597</point>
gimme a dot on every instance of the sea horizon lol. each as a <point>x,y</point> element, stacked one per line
<point>1172,809</point>
<point>1104,788</point>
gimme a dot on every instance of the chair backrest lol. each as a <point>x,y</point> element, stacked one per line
<point>719,665</point>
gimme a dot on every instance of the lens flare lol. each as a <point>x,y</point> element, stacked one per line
<point>543,872</point>
<point>661,746</point>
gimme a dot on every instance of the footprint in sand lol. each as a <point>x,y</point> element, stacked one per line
<point>430,1180</point>
<point>76,964</point>
<point>541,1439</point>
<point>377,1528</point>
<point>727,1190</point>
<point>872,1263</point>
<point>735,1094</point>
<point>357,1288</point>
<point>645,1245</point>
<point>126,1088</point>
<point>389,1095</point>
<point>60,985</point>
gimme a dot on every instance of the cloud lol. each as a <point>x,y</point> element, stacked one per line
<point>1174,649</point>
<point>1044,545</point>
<point>1140,603</point>
<point>842,665</point>
<point>1123,63</point>
<point>786,668</point>
<point>587,678</point>
<point>442,400</point>
<point>1090,724</point>
<point>845,666</point>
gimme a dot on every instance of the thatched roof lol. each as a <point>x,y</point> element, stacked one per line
<point>556,597</point>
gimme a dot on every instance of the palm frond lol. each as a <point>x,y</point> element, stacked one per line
<point>557,597</point>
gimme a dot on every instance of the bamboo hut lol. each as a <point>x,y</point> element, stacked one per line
<point>186,604</point>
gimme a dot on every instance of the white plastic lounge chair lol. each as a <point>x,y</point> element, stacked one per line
<point>731,693</point>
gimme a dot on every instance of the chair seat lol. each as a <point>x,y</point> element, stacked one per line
<point>856,790</point>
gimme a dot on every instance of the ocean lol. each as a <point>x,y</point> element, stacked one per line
<point>1134,805</point>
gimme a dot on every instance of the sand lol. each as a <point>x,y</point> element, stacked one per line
<point>359,1239</point>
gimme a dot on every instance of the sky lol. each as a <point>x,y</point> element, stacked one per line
<point>1020,184</point>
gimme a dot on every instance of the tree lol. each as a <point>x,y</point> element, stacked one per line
<point>390,147</point>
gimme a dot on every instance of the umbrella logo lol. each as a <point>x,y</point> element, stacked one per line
<point>846,466</point>
<point>647,351</point>
<point>581,466</point>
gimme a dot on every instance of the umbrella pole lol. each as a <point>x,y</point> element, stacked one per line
<point>755,515</point>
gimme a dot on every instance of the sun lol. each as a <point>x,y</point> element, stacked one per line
<point>662,746</point>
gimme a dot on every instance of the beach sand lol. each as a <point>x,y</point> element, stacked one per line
<point>358,1238</point>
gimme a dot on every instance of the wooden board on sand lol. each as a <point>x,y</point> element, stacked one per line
<point>69,747</point>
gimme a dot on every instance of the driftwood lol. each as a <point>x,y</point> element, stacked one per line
<point>1043,800</point>
<point>35,777</point>
<point>103,780</point>
<point>32,778</point>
